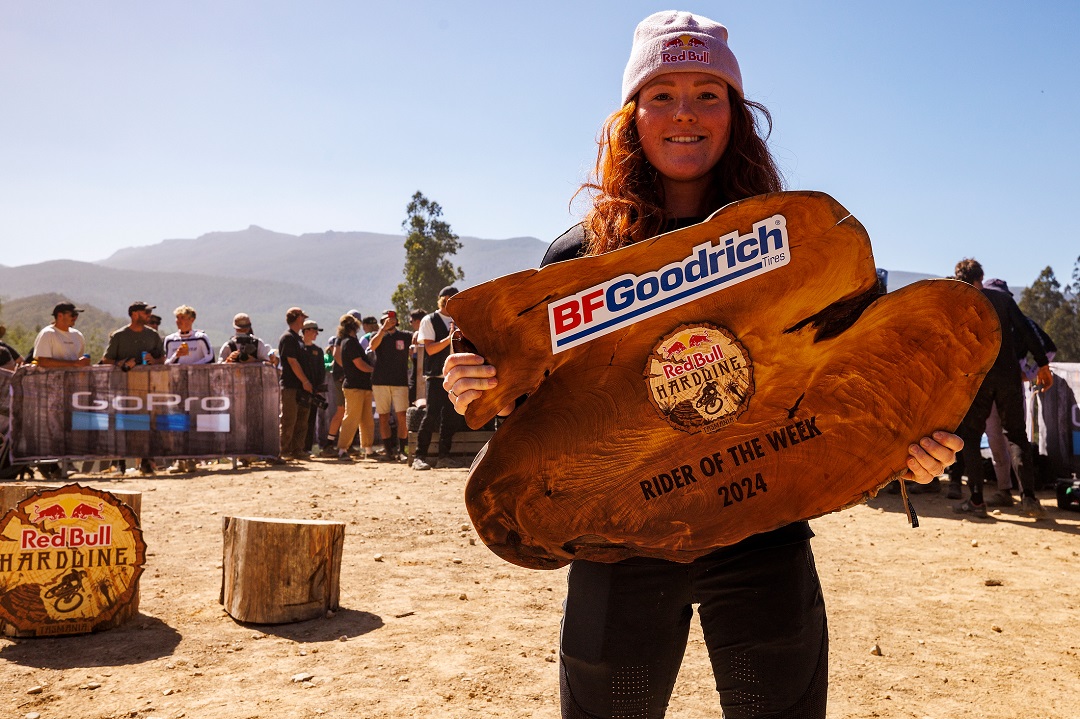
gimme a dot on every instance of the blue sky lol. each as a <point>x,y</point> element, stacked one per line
<point>948,128</point>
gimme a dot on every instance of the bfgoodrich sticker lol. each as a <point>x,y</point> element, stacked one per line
<point>700,378</point>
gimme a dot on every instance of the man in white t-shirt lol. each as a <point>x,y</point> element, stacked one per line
<point>187,345</point>
<point>60,344</point>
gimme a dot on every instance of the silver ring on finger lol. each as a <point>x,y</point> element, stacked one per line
<point>455,394</point>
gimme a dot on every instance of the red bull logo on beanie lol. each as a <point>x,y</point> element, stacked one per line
<point>684,48</point>
<point>710,267</point>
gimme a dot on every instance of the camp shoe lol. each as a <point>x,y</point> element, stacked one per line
<point>1031,507</point>
<point>1000,498</point>
<point>969,507</point>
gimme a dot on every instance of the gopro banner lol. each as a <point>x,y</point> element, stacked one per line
<point>188,411</point>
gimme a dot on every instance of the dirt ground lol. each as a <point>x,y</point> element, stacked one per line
<point>973,618</point>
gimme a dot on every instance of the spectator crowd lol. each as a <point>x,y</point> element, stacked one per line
<point>332,398</point>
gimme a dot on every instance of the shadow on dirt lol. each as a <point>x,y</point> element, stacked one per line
<point>345,623</point>
<point>141,640</point>
<point>937,505</point>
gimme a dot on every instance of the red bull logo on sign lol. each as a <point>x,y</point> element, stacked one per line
<point>700,378</point>
<point>710,267</point>
<point>53,512</point>
<point>685,48</point>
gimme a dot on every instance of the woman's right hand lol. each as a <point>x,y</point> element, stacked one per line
<point>466,377</point>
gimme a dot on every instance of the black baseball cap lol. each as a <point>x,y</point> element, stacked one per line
<point>448,291</point>
<point>65,307</point>
<point>140,307</point>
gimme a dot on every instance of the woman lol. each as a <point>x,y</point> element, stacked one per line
<point>685,143</point>
<point>356,387</point>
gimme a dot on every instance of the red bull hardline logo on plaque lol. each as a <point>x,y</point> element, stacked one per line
<point>700,378</point>
<point>70,558</point>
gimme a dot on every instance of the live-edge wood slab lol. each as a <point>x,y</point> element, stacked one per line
<point>826,384</point>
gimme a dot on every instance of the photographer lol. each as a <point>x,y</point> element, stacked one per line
<point>244,346</point>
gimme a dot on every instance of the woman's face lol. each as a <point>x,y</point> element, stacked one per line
<point>684,122</point>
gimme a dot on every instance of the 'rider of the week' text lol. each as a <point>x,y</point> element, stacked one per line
<point>740,455</point>
<point>710,267</point>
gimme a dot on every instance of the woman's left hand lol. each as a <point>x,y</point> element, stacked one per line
<point>931,456</point>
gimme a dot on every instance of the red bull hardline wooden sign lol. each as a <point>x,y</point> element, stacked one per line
<point>70,559</point>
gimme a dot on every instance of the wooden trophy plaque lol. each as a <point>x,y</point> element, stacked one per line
<point>726,379</point>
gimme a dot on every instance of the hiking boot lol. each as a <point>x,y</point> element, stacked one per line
<point>969,507</point>
<point>954,491</point>
<point>1000,498</point>
<point>420,465</point>
<point>1031,507</point>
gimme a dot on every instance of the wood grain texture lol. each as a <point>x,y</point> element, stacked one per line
<point>280,570</point>
<point>843,380</point>
<point>11,495</point>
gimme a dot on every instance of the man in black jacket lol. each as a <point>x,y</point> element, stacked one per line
<point>1003,387</point>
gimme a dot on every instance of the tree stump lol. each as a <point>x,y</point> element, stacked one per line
<point>280,570</point>
<point>696,388</point>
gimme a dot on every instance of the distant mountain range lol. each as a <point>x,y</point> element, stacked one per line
<point>259,272</point>
<point>263,273</point>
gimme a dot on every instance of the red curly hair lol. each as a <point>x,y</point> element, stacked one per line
<point>628,198</point>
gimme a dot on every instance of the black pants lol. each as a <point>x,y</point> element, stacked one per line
<point>441,414</point>
<point>1007,392</point>
<point>625,629</point>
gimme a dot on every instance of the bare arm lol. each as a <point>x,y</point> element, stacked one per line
<point>437,346</point>
<point>50,363</point>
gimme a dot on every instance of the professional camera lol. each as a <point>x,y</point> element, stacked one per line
<point>247,346</point>
<point>311,399</point>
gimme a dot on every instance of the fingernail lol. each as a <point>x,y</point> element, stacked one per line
<point>913,448</point>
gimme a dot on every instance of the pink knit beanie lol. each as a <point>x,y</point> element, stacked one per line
<point>673,41</point>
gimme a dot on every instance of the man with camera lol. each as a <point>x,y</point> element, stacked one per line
<point>295,387</point>
<point>244,346</point>
<point>390,383</point>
